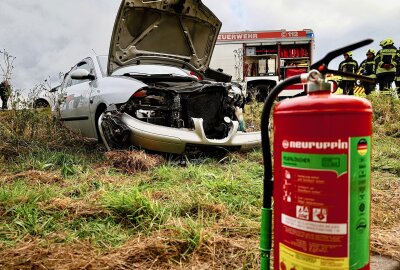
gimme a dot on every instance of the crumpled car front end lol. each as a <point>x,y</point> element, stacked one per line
<point>161,43</point>
<point>174,116</point>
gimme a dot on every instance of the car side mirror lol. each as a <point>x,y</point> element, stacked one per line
<point>54,89</point>
<point>82,74</point>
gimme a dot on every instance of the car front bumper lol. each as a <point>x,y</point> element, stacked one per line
<point>176,140</point>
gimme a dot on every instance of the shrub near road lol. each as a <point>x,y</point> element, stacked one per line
<point>66,204</point>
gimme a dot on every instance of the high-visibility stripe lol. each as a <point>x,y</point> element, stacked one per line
<point>359,90</point>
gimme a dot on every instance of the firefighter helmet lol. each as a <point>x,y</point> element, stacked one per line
<point>350,54</point>
<point>386,42</point>
<point>371,51</point>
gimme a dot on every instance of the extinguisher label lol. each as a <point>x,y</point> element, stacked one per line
<point>319,215</point>
<point>292,259</point>
<point>335,163</point>
<point>325,205</point>
<point>359,175</point>
<point>314,218</point>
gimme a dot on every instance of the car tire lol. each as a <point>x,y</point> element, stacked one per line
<point>99,113</point>
<point>100,135</point>
<point>260,92</point>
<point>41,104</point>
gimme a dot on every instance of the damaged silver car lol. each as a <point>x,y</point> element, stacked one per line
<point>154,90</point>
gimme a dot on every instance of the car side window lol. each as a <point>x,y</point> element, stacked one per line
<point>67,80</point>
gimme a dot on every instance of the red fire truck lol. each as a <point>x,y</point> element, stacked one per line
<point>259,59</point>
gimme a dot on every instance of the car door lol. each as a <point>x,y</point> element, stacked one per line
<point>75,108</point>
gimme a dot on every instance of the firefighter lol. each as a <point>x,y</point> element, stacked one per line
<point>385,63</point>
<point>348,65</point>
<point>397,79</point>
<point>5,92</point>
<point>367,68</point>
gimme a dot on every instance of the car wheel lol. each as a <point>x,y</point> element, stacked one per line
<point>100,135</point>
<point>41,104</point>
<point>99,112</point>
<point>113,132</point>
<point>261,91</point>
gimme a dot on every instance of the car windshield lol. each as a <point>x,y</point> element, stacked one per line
<point>154,71</point>
<point>150,70</point>
<point>103,62</point>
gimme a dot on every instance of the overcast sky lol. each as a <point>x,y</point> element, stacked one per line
<point>49,36</point>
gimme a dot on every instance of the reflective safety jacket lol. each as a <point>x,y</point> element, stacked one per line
<point>385,60</point>
<point>350,66</point>
<point>398,65</point>
<point>367,68</point>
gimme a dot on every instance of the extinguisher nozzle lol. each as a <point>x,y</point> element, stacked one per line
<point>265,237</point>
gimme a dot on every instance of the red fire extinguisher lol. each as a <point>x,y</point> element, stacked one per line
<point>321,176</point>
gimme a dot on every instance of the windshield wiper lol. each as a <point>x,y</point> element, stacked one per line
<point>161,76</point>
<point>136,74</point>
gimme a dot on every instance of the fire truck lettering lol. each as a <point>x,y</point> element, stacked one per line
<point>237,36</point>
<point>250,36</point>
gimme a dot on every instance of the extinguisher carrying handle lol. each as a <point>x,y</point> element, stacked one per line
<point>338,52</point>
<point>322,65</point>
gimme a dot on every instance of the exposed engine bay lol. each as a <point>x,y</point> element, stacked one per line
<point>174,104</point>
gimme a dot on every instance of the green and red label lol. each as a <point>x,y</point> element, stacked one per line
<point>324,204</point>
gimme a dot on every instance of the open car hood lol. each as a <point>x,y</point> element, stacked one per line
<point>180,33</point>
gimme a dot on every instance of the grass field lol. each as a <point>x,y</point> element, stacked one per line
<point>67,204</point>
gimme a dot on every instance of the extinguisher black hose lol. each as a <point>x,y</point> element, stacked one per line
<point>265,141</point>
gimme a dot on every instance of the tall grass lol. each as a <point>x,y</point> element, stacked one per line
<point>386,129</point>
<point>134,209</point>
<point>35,140</point>
<point>57,189</point>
